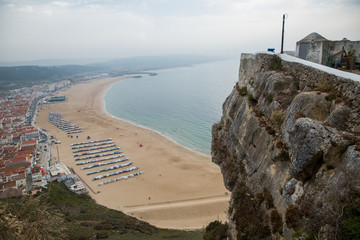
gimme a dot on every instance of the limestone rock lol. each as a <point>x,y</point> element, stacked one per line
<point>293,191</point>
<point>312,145</point>
<point>306,104</point>
<point>300,167</point>
<point>339,118</point>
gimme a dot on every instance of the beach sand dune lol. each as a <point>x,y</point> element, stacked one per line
<point>180,188</point>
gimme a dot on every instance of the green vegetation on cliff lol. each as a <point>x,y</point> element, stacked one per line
<point>60,214</point>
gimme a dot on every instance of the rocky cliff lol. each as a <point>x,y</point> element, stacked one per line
<point>288,145</point>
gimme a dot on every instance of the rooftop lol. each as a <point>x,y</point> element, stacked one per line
<point>312,37</point>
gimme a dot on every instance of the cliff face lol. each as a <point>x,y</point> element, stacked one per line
<point>288,145</point>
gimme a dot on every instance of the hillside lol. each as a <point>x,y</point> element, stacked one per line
<point>27,76</point>
<point>13,77</point>
<point>288,145</point>
<point>60,214</point>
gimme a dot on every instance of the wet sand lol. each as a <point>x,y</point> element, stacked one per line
<point>180,188</point>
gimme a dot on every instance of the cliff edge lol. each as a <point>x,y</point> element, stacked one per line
<point>288,145</point>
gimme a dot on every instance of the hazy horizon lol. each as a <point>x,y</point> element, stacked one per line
<point>93,29</point>
<point>102,61</point>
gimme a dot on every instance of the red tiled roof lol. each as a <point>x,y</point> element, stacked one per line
<point>6,185</point>
<point>19,158</point>
<point>16,169</point>
<point>29,142</point>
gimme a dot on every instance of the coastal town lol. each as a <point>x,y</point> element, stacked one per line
<point>26,164</point>
<point>149,174</point>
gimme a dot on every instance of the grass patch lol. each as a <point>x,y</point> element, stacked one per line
<point>219,127</point>
<point>216,230</point>
<point>283,156</point>
<point>258,113</point>
<point>252,100</point>
<point>242,91</point>
<point>278,117</point>
<point>350,227</point>
<point>270,130</point>
<point>61,214</point>
<point>276,222</point>
<point>248,216</point>
<point>275,63</point>
<point>269,201</point>
<point>293,216</point>
<point>325,86</point>
<point>331,97</point>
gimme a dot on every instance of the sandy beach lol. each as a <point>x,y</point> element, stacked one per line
<point>180,188</point>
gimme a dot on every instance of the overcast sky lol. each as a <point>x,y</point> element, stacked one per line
<point>32,30</point>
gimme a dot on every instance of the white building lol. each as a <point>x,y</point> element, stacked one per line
<point>59,169</point>
<point>315,48</point>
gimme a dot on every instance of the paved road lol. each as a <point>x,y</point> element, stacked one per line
<point>44,155</point>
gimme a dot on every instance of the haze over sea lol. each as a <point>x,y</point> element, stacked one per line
<point>180,103</point>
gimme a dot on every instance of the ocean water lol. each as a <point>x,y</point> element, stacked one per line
<point>180,103</point>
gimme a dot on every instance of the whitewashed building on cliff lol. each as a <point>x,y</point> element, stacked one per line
<point>315,48</point>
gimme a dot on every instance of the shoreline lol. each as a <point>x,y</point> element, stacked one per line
<point>140,126</point>
<point>144,127</point>
<point>172,173</point>
<point>157,132</point>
